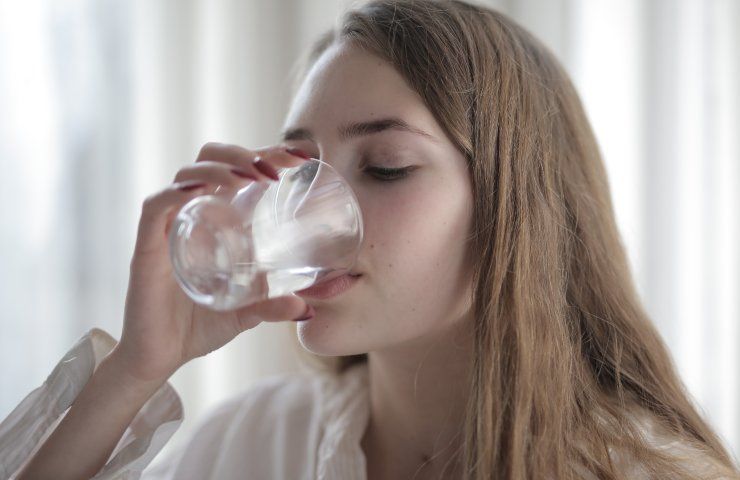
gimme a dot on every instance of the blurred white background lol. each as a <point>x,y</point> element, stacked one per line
<point>102,101</point>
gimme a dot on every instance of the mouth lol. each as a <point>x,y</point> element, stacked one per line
<point>330,288</point>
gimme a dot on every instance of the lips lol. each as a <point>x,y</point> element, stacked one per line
<point>330,288</point>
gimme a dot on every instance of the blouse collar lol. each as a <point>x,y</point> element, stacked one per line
<point>345,414</point>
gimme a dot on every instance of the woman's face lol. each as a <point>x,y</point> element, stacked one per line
<point>415,280</point>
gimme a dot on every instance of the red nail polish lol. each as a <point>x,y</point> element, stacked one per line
<point>298,153</point>
<point>243,174</point>
<point>308,314</point>
<point>266,169</point>
<point>186,187</point>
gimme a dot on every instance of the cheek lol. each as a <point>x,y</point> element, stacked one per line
<point>416,242</point>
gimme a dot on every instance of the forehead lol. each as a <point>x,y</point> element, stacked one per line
<point>347,84</point>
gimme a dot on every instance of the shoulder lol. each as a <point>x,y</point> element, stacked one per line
<point>253,431</point>
<point>688,455</point>
<point>281,395</point>
<point>293,395</point>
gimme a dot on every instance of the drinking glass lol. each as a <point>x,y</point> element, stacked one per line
<point>234,247</point>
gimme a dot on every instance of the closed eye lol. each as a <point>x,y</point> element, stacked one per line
<point>388,174</point>
<point>306,172</point>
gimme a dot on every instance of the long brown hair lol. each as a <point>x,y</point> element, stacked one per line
<point>566,359</point>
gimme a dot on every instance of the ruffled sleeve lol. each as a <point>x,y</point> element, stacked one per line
<point>27,427</point>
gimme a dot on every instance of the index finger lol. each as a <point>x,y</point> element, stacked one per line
<point>278,156</point>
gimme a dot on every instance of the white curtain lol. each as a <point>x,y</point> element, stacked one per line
<point>102,101</point>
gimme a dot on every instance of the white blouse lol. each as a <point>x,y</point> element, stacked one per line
<point>290,426</point>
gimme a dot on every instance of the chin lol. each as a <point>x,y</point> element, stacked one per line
<point>328,336</point>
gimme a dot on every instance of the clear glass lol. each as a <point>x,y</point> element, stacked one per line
<point>267,239</point>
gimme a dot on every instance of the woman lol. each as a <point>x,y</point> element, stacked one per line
<point>492,330</point>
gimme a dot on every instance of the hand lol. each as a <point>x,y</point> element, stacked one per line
<point>163,328</point>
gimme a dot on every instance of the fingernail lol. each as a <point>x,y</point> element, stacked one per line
<point>242,174</point>
<point>298,153</point>
<point>188,186</point>
<point>309,313</point>
<point>266,169</point>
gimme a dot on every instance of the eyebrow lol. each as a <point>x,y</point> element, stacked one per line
<point>360,129</point>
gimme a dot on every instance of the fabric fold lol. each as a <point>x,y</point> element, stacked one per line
<point>26,428</point>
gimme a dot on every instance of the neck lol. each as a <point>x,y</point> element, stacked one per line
<point>418,396</point>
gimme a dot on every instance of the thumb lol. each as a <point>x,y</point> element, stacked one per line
<point>287,307</point>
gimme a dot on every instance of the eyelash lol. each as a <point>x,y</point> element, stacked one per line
<point>380,174</point>
<point>388,174</point>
